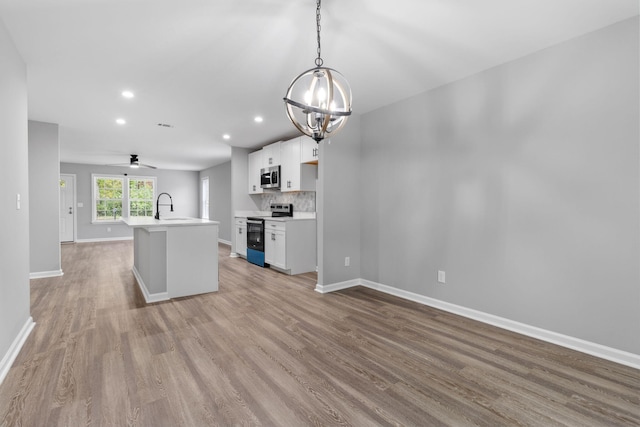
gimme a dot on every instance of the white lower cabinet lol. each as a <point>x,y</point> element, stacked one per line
<point>275,245</point>
<point>241,236</point>
<point>290,246</point>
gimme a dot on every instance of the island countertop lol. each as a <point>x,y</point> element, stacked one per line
<point>166,222</point>
<point>174,257</point>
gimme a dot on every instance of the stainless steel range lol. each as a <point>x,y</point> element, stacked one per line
<point>255,232</point>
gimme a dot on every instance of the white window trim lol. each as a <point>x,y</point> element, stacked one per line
<point>125,195</point>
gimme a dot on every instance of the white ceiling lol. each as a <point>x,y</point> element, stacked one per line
<point>207,67</point>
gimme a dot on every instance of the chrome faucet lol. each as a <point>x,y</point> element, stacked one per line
<point>158,204</point>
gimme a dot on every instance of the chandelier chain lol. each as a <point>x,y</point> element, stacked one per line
<point>319,60</point>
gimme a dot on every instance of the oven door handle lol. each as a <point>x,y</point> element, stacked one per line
<point>251,221</point>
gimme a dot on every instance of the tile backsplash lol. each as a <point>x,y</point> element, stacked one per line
<point>303,201</point>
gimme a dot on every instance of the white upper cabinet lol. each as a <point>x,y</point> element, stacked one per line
<point>254,166</point>
<point>271,155</point>
<point>308,150</point>
<point>295,176</point>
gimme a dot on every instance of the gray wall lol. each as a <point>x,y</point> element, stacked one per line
<point>338,205</point>
<point>44,197</point>
<point>522,183</point>
<point>14,223</point>
<point>241,200</point>
<point>220,198</point>
<point>182,185</point>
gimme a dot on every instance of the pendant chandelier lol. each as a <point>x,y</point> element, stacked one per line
<point>318,101</point>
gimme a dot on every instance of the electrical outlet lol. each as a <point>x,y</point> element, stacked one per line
<point>108,229</point>
<point>18,201</point>
<point>347,261</point>
<point>441,277</point>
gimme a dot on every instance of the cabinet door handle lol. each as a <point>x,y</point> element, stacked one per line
<point>239,230</point>
<point>273,236</point>
<point>288,184</point>
<point>270,160</point>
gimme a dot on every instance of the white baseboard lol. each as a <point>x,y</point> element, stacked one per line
<point>324,289</point>
<point>224,242</point>
<point>148,297</point>
<point>45,274</point>
<point>594,349</point>
<point>104,239</point>
<point>14,349</point>
<point>237,255</point>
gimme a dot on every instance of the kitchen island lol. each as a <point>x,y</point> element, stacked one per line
<point>174,257</point>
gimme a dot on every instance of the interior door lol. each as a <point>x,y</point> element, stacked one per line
<point>67,208</point>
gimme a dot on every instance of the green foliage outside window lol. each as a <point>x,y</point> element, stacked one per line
<point>109,192</point>
<point>140,197</point>
<point>111,197</point>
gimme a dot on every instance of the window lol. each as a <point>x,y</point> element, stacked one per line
<point>141,196</point>
<point>204,199</point>
<point>108,196</point>
<point>115,197</point>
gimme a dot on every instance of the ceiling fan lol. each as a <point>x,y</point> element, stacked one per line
<point>134,162</point>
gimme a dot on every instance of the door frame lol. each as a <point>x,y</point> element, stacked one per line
<point>202,197</point>
<point>75,205</point>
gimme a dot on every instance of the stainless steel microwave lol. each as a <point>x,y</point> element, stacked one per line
<point>270,177</point>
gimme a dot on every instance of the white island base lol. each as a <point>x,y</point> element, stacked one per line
<point>174,257</point>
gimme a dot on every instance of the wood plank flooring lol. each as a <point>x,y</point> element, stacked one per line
<point>268,350</point>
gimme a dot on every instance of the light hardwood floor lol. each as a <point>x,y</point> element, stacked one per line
<point>268,350</point>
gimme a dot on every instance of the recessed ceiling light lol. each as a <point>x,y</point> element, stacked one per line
<point>121,121</point>
<point>226,136</point>
<point>258,119</point>
<point>127,94</point>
